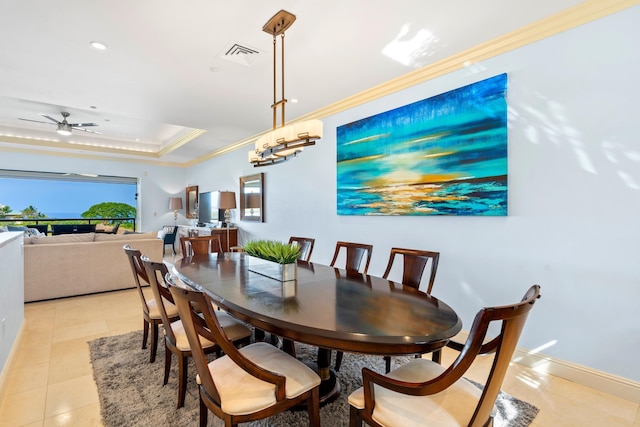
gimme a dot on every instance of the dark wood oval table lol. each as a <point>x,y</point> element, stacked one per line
<point>325,307</point>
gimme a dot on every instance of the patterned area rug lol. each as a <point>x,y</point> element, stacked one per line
<point>131,391</point>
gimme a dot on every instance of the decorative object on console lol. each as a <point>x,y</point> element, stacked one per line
<point>175,203</point>
<point>448,156</point>
<point>286,141</point>
<point>227,201</point>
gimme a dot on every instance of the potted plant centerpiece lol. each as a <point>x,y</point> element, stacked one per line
<point>273,259</point>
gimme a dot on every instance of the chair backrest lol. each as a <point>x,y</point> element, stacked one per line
<point>355,252</point>
<point>414,263</point>
<point>135,260</point>
<point>306,246</point>
<point>513,318</point>
<point>170,235</point>
<point>186,299</point>
<point>156,271</point>
<point>200,245</point>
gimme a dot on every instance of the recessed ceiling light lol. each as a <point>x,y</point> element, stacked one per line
<point>293,100</point>
<point>98,45</point>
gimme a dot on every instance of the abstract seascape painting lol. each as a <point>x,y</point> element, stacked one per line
<point>445,155</point>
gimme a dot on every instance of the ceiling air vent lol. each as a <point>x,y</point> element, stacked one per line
<point>239,54</point>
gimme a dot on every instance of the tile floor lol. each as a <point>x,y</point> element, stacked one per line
<point>51,383</point>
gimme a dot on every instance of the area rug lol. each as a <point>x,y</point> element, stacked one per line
<point>131,391</point>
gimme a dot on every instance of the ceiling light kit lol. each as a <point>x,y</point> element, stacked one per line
<point>285,141</point>
<point>64,127</point>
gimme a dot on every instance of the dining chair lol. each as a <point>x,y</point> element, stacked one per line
<point>414,262</point>
<point>306,246</point>
<point>175,340</point>
<point>200,245</point>
<point>354,254</point>
<point>423,392</point>
<point>251,383</point>
<point>150,308</point>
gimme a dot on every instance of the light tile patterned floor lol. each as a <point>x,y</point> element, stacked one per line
<point>51,383</point>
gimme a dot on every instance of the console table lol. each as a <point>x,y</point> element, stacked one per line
<point>191,231</point>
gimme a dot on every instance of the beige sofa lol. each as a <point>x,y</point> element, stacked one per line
<point>78,264</point>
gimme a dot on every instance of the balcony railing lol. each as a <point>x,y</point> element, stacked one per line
<point>125,223</point>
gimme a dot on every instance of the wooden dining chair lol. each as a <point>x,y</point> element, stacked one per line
<point>414,262</point>
<point>175,340</point>
<point>354,253</point>
<point>423,392</point>
<point>150,309</point>
<point>251,383</point>
<point>200,245</point>
<point>306,246</point>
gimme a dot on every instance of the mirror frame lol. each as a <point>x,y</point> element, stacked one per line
<point>243,196</point>
<point>191,207</point>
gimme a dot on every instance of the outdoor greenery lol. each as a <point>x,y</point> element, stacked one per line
<point>271,250</point>
<point>101,210</point>
<point>110,210</point>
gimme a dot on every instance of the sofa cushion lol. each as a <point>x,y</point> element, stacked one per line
<point>60,238</point>
<point>103,237</point>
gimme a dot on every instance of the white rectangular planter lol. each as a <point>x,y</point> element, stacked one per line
<point>273,270</point>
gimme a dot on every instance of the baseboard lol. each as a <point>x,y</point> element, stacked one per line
<point>598,380</point>
<point>9,365</point>
<point>588,377</point>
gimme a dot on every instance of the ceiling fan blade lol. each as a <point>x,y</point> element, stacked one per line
<point>82,125</point>
<point>87,130</point>
<point>37,121</point>
<point>50,118</point>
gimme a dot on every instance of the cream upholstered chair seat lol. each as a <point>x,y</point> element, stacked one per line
<point>451,407</point>
<point>242,393</point>
<point>234,330</point>
<point>154,311</point>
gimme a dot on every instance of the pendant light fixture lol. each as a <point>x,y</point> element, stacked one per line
<point>285,141</point>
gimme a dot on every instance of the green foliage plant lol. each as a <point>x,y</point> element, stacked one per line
<point>271,250</point>
<point>110,210</point>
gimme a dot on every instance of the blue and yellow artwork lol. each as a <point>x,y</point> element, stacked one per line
<point>445,155</point>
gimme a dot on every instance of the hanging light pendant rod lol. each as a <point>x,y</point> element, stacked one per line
<point>285,141</point>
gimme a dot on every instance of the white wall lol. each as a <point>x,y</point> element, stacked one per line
<point>156,183</point>
<point>574,180</point>
<point>11,296</point>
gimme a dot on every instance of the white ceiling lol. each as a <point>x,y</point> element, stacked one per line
<point>162,76</point>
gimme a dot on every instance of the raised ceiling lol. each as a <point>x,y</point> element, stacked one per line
<point>181,81</point>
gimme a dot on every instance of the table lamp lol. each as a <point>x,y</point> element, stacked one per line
<point>175,203</point>
<point>227,201</point>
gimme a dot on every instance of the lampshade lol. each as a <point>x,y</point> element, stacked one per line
<point>175,203</point>
<point>227,200</point>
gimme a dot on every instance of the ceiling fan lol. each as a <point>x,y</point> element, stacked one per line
<point>64,127</point>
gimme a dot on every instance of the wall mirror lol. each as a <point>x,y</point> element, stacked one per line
<point>192,202</point>
<point>252,197</point>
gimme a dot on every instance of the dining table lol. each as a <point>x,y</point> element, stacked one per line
<point>325,307</point>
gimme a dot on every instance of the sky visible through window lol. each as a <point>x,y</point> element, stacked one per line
<point>62,199</point>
